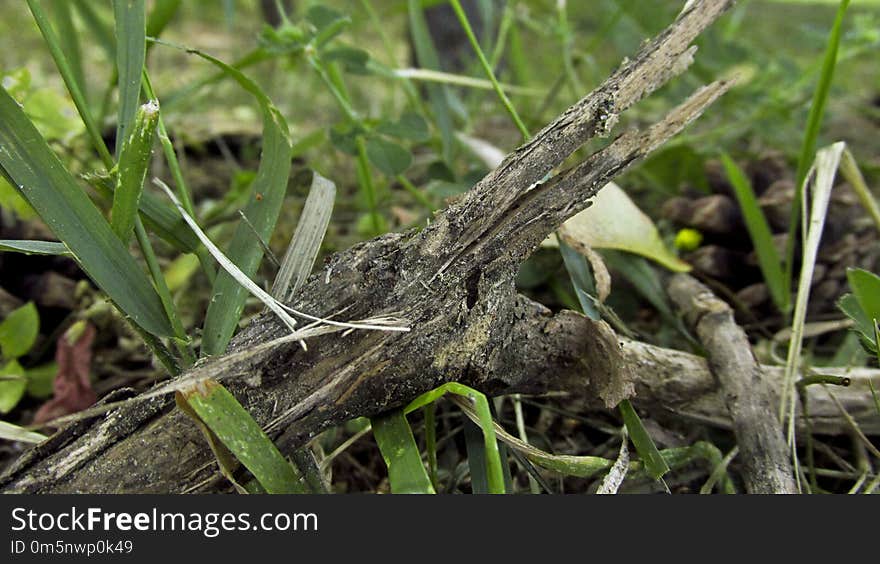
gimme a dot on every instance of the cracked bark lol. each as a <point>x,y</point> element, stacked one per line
<point>453,281</point>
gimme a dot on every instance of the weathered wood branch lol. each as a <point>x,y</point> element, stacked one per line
<point>453,281</point>
<point>148,447</point>
<point>766,460</point>
<point>672,385</point>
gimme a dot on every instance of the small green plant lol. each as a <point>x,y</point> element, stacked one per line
<point>863,307</point>
<point>374,144</point>
<point>18,334</point>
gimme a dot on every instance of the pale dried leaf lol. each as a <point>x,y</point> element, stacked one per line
<point>615,222</point>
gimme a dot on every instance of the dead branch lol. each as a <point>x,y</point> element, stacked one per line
<point>766,458</point>
<point>672,384</point>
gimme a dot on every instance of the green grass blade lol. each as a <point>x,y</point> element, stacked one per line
<point>169,152</point>
<point>186,94</point>
<point>655,464</point>
<point>165,222</point>
<point>822,173</point>
<point>759,231</point>
<point>850,170</point>
<point>100,31</point>
<point>244,438</point>
<point>638,272</point>
<point>35,170</point>
<point>581,279</point>
<point>580,466</point>
<point>160,16</point>
<point>160,217</point>
<point>487,68</point>
<point>134,159</point>
<point>56,49</point>
<point>476,457</point>
<point>426,54</point>
<point>811,134</point>
<point>34,247</point>
<point>406,473</point>
<point>478,403</point>
<point>11,432</point>
<point>820,95</point>
<point>267,195</point>
<point>69,38</point>
<point>131,52</point>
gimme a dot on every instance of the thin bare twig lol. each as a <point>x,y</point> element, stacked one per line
<point>766,464</point>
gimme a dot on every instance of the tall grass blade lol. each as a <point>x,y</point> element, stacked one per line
<point>581,279</point>
<point>56,49</point>
<point>31,166</point>
<point>267,194</point>
<point>131,52</point>
<point>69,38</point>
<point>487,68</point>
<point>49,248</point>
<point>406,473</point>
<point>244,438</point>
<point>759,231</point>
<point>426,54</point>
<point>306,241</point>
<point>101,31</point>
<point>160,16</point>
<point>476,457</point>
<point>655,464</point>
<point>161,218</point>
<point>478,403</point>
<point>11,432</point>
<point>811,134</point>
<point>850,170</point>
<point>134,159</point>
<point>822,175</point>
